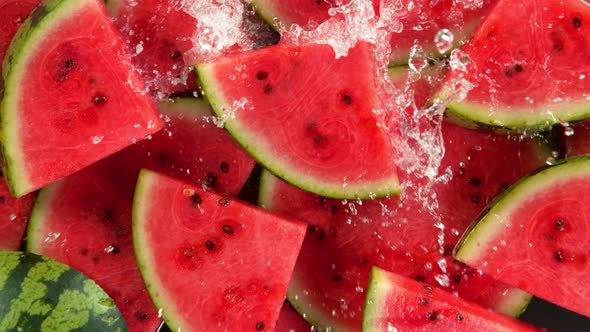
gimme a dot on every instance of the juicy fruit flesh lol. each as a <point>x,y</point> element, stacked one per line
<point>426,309</point>
<point>401,235</point>
<point>76,99</point>
<point>209,237</point>
<point>544,219</point>
<point>526,67</point>
<point>301,120</point>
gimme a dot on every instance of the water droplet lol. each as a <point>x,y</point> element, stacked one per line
<point>96,139</point>
<point>417,60</point>
<point>568,131</point>
<point>12,216</point>
<point>443,280</point>
<point>52,237</point>
<point>444,40</point>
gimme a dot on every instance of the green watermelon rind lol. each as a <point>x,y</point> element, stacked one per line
<point>76,303</point>
<point>40,212</point>
<point>370,190</point>
<point>144,256</point>
<point>32,32</point>
<point>490,223</point>
<point>503,120</point>
<point>374,302</point>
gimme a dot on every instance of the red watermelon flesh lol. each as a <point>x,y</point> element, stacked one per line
<point>397,303</point>
<point>14,12</point>
<point>401,235</point>
<point>87,102</point>
<point>291,321</point>
<point>577,139</point>
<point>223,265</point>
<point>14,215</point>
<point>527,73</point>
<point>158,34</point>
<point>84,220</point>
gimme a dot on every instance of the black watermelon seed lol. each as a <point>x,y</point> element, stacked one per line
<point>210,245</point>
<point>100,99</point>
<point>475,199</point>
<point>224,201</point>
<point>347,99</point>
<point>84,251</point>
<point>322,201</point>
<point>227,229</point>
<point>175,55</point>
<point>424,301</point>
<point>558,256</point>
<point>577,22</point>
<point>211,180</point>
<point>196,200</point>
<point>508,73</point>
<point>334,208</point>
<point>337,277</point>
<point>457,278</point>
<point>224,166</point>
<point>433,316</point>
<point>448,251</point>
<point>261,75</point>
<point>518,68</point>
<point>420,278</point>
<point>459,317</point>
<point>559,225</point>
<point>259,326</point>
<point>113,249</point>
<point>105,214</point>
<point>364,261</point>
<point>141,316</point>
<point>474,181</point>
<point>319,140</point>
<point>69,64</point>
<point>267,89</point>
<point>2,199</point>
<point>321,235</point>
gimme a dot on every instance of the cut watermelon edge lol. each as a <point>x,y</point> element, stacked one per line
<point>505,121</point>
<point>18,59</point>
<point>145,181</point>
<point>38,214</point>
<point>367,190</point>
<point>489,224</point>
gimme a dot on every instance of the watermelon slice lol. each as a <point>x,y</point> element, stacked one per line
<point>396,303</point>
<point>291,321</point>
<point>307,116</point>
<point>14,215</point>
<point>85,219</point>
<point>14,12</point>
<point>534,236</point>
<point>158,34</point>
<point>348,237</point>
<point>214,271</point>
<point>40,294</point>
<point>577,139</point>
<point>86,104</point>
<point>527,74</point>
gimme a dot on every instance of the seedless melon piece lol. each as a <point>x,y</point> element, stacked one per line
<point>397,303</point>
<point>211,263</point>
<point>535,236</point>
<point>526,75</point>
<point>70,95</point>
<point>307,117</point>
<point>40,294</point>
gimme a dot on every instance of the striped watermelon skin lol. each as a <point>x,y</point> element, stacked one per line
<point>49,296</point>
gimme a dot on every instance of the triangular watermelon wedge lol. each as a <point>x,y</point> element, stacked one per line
<point>211,263</point>
<point>397,303</point>
<point>70,95</point>
<point>529,67</point>
<point>307,117</point>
